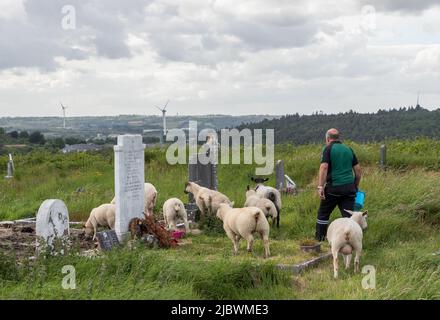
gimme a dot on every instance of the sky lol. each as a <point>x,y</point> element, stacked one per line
<point>110,57</point>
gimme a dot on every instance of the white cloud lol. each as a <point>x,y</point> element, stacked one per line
<point>222,56</point>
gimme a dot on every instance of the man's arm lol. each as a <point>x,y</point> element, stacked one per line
<point>322,177</point>
<point>357,175</point>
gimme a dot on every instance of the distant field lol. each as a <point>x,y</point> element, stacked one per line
<point>404,222</point>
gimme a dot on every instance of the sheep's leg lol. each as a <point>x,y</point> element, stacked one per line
<point>185,221</point>
<point>250,241</point>
<point>234,238</point>
<point>356,260</point>
<point>347,259</point>
<point>201,204</point>
<point>335,262</point>
<point>265,238</point>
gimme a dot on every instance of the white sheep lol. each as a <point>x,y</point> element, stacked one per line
<point>104,216</point>
<point>174,209</point>
<point>150,198</point>
<point>345,235</point>
<point>242,223</point>
<point>269,193</point>
<point>206,199</point>
<point>267,206</point>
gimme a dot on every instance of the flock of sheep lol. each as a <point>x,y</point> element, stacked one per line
<point>262,202</point>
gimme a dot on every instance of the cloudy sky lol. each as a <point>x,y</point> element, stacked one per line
<point>107,57</point>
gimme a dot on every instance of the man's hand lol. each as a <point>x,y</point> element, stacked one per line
<point>321,192</point>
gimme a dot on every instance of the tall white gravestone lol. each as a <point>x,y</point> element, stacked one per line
<point>129,182</point>
<point>52,226</point>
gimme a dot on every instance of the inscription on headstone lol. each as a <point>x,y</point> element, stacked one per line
<point>129,182</point>
<point>52,227</point>
<point>107,240</point>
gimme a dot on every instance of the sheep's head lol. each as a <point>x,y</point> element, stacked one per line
<point>222,209</point>
<point>187,187</point>
<point>88,231</point>
<point>176,207</point>
<point>359,217</point>
<point>259,180</point>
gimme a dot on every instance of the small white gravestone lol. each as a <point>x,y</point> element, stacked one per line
<point>52,226</point>
<point>129,182</point>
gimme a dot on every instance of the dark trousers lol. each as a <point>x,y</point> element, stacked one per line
<point>341,196</point>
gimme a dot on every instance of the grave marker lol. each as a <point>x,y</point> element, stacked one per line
<point>52,227</point>
<point>280,178</point>
<point>129,182</point>
<point>107,240</point>
<point>383,156</point>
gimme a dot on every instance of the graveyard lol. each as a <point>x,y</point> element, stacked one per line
<point>401,242</point>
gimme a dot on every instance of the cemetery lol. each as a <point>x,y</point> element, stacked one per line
<point>49,233</point>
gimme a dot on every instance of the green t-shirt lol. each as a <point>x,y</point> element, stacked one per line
<point>341,160</point>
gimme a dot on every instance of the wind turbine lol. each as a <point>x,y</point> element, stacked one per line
<point>164,118</point>
<point>64,114</point>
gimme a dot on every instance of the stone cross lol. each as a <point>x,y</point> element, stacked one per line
<point>129,182</point>
<point>52,227</point>
<point>280,179</point>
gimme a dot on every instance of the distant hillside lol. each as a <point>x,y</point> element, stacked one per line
<point>404,123</point>
<point>87,127</point>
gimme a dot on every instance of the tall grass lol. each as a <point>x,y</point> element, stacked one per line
<point>404,220</point>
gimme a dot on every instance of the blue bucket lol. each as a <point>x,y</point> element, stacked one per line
<point>359,201</point>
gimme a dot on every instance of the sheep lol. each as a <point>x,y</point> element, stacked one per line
<point>242,223</point>
<point>104,215</point>
<point>267,206</point>
<point>150,198</point>
<point>206,199</point>
<point>172,210</point>
<point>345,235</point>
<point>269,193</point>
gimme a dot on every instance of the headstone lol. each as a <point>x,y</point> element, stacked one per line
<point>129,182</point>
<point>383,156</point>
<point>52,227</point>
<point>10,168</point>
<point>107,240</point>
<point>280,179</point>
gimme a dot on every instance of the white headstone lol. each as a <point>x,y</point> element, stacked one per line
<point>129,182</point>
<point>52,226</point>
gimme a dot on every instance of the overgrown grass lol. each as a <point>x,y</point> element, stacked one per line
<point>403,232</point>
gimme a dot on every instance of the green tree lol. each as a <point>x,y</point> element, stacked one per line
<point>24,135</point>
<point>37,138</point>
<point>13,134</point>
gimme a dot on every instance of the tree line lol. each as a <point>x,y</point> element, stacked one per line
<point>403,123</point>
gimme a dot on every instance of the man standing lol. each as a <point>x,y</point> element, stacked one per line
<point>337,185</point>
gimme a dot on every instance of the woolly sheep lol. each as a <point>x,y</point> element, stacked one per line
<point>267,206</point>
<point>242,223</point>
<point>149,198</point>
<point>345,235</point>
<point>269,193</point>
<point>174,209</point>
<point>206,199</point>
<point>104,216</point>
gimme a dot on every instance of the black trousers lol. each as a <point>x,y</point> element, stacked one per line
<point>341,196</point>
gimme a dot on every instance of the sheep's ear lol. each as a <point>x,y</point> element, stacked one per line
<point>365,213</point>
<point>349,211</point>
<point>232,204</point>
<point>248,188</point>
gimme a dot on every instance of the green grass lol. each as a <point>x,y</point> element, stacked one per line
<point>403,232</point>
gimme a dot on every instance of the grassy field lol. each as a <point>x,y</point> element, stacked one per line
<point>403,233</point>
